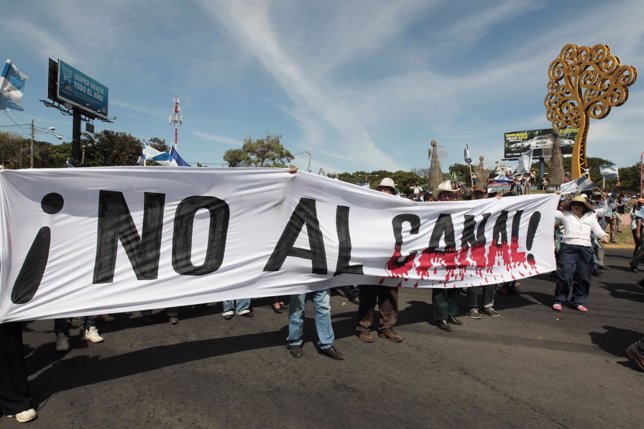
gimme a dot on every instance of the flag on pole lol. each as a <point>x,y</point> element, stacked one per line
<point>11,83</point>
<point>525,162</point>
<point>574,186</point>
<point>151,154</point>
<point>177,158</point>
<point>609,171</point>
<point>466,155</point>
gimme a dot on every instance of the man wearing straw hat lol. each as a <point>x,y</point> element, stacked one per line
<point>574,260</point>
<point>386,297</point>
<point>445,301</point>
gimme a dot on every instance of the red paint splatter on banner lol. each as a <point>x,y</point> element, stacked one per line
<point>518,258</point>
<point>397,268</point>
<point>478,256</point>
<point>496,250</point>
<point>426,261</point>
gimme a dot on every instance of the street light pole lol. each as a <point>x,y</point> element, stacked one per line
<point>31,153</point>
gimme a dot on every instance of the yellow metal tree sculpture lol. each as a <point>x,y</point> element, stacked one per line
<point>585,82</point>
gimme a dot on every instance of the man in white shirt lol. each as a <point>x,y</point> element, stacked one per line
<point>574,259</point>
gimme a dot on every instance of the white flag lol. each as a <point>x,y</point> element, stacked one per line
<point>609,171</point>
<point>525,162</point>
<point>466,155</point>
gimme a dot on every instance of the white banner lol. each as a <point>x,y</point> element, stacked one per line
<point>89,241</point>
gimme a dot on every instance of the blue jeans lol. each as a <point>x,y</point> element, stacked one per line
<point>574,270</point>
<point>322,305</point>
<point>87,322</point>
<point>237,305</point>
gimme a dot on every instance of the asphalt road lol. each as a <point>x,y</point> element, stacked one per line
<point>530,368</point>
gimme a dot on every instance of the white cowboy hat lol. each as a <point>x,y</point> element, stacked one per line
<point>387,183</point>
<point>445,186</point>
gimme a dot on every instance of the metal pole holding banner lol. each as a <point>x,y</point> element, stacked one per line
<point>76,133</point>
<point>642,176</point>
<point>31,153</point>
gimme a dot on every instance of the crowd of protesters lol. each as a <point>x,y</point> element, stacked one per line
<point>583,224</point>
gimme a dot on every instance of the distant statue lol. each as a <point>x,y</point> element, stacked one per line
<point>435,173</point>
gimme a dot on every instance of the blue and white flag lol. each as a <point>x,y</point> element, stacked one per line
<point>11,83</point>
<point>151,154</point>
<point>609,171</point>
<point>466,155</point>
<point>575,186</point>
<point>177,158</point>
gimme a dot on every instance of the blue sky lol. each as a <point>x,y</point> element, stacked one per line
<point>360,85</point>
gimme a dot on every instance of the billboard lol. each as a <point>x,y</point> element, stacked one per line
<point>540,141</point>
<point>80,90</point>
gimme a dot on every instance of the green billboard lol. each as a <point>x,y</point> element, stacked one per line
<point>80,90</point>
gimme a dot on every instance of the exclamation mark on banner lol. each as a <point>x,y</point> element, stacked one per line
<point>532,231</point>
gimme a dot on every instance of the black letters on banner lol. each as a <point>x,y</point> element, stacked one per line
<point>344,238</point>
<point>444,226</point>
<point>468,239</point>
<point>501,229</point>
<point>217,233</point>
<point>304,213</point>
<point>115,223</point>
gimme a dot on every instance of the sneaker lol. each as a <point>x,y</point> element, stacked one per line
<point>62,342</point>
<point>92,335</point>
<point>173,320</point>
<point>474,314</point>
<point>633,353</point>
<point>245,312</point>
<point>491,312</point>
<point>557,307</point>
<point>25,416</point>
<point>228,314</point>
<point>366,337</point>
<point>581,308</point>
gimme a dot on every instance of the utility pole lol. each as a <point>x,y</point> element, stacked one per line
<point>31,153</point>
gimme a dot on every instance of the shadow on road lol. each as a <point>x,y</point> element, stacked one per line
<point>85,370</point>
<point>632,292</point>
<point>614,340</point>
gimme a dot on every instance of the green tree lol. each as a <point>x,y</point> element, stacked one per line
<point>629,178</point>
<point>265,152</point>
<point>460,172</point>
<point>12,150</point>
<point>159,144</point>
<point>52,155</point>
<point>109,148</point>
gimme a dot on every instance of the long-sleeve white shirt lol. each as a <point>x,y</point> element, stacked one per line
<point>577,230</point>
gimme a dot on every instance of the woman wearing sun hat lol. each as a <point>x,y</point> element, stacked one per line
<point>574,260</point>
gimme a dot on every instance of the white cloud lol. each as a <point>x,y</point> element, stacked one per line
<point>218,139</point>
<point>312,100</point>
